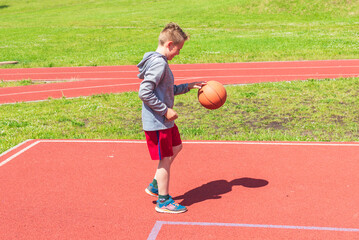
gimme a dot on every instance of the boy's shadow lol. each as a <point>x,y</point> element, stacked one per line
<point>214,189</point>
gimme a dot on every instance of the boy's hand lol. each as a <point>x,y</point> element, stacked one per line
<point>171,114</point>
<point>197,85</point>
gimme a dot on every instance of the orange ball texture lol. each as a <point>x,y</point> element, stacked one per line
<point>212,95</point>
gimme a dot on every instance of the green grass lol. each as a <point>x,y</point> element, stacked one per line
<point>311,110</point>
<point>76,33</point>
<point>17,83</point>
<point>91,33</point>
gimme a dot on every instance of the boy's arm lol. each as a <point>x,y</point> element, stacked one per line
<point>183,88</point>
<point>147,86</point>
<point>180,89</point>
<point>171,114</point>
<point>197,85</point>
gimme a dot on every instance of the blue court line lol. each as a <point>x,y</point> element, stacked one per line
<point>157,227</point>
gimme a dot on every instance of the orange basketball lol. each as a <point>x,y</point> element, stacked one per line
<point>212,95</point>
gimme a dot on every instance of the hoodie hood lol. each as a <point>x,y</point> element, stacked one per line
<point>144,64</point>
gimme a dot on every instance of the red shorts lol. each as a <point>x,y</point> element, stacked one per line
<point>160,143</point>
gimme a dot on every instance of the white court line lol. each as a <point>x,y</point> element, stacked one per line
<point>18,153</point>
<point>188,70</point>
<point>13,148</point>
<point>349,144</point>
<point>57,141</point>
<point>158,225</point>
<point>280,143</point>
<point>344,144</point>
<point>89,141</point>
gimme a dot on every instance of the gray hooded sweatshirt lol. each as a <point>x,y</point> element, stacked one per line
<point>157,91</point>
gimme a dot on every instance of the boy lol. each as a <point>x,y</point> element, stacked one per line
<point>157,92</point>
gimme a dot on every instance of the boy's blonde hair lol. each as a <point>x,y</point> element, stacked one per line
<point>172,32</point>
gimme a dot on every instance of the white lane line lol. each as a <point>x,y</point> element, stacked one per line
<point>67,89</point>
<point>77,79</point>
<point>78,88</point>
<point>183,79</point>
<point>186,70</point>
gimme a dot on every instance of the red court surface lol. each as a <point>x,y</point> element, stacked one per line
<point>94,189</point>
<point>86,81</point>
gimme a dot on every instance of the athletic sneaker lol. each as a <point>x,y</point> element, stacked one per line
<point>151,190</point>
<point>169,206</point>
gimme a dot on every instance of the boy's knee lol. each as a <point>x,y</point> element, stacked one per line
<point>177,149</point>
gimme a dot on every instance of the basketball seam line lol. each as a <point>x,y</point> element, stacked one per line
<point>214,90</point>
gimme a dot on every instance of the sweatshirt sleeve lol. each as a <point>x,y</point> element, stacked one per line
<point>180,89</point>
<point>146,92</point>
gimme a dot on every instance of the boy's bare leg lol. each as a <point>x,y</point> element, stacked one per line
<point>163,171</point>
<point>163,175</point>
<point>176,150</point>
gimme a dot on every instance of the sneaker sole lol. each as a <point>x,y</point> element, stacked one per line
<point>169,211</point>
<point>150,193</point>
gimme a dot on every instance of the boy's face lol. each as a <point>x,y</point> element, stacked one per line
<point>174,49</point>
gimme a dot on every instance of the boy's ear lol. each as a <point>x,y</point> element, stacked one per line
<point>169,44</point>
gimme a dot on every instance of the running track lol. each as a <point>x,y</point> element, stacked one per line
<point>85,81</point>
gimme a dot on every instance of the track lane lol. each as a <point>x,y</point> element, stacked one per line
<point>85,81</point>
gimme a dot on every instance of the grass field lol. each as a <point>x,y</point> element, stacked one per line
<point>41,33</point>
<point>16,83</point>
<point>92,33</point>
<point>286,111</point>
